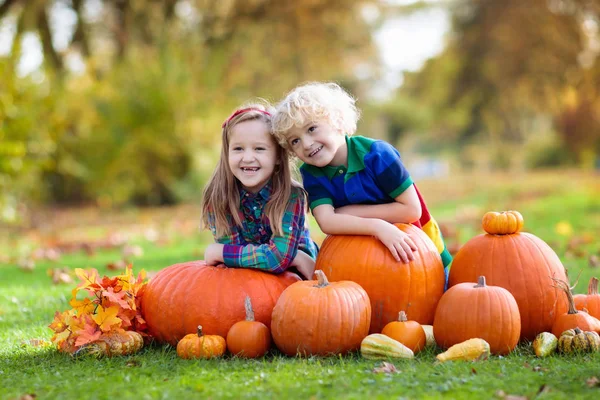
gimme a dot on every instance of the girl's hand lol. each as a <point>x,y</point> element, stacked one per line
<point>213,255</point>
<point>398,242</point>
<point>304,264</point>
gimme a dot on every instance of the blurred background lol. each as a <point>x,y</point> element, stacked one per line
<point>116,104</point>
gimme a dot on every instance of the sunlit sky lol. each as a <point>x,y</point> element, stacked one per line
<point>405,42</point>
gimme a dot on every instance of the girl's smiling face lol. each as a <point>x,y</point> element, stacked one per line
<point>252,154</point>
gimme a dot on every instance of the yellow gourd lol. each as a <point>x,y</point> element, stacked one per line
<point>380,347</point>
<point>469,350</point>
<point>113,344</point>
<point>545,344</point>
<point>429,338</point>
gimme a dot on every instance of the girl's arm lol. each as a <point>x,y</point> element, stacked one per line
<point>276,255</point>
<point>405,209</point>
<point>398,243</point>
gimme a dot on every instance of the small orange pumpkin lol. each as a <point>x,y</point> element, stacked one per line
<point>409,333</point>
<point>572,318</point>
<point>502,223</point>
<point>198,345</point>
<point>469,311</point>
<point>249,338</point>
<point>321,318</point>
<point>589,301</point>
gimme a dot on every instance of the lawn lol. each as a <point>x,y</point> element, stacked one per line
<point>562,208</point>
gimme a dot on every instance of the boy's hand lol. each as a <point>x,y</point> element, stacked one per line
<point>398,242</point>
<point>213,255</point>
<point>304,264</point>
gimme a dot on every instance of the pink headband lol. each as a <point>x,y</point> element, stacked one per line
<point>241,111</point>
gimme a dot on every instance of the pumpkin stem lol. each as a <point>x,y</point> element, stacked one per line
<point>321,279</point>
<point>564,286</point>
<point>249,310</point>
<point>200,331</point>
<point>402,316</point>
<point>593,286</point>
<point>577,330</point>
<point>480,281</point>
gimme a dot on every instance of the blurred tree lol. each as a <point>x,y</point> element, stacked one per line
<point>139,113</point>
<point>509,64</point>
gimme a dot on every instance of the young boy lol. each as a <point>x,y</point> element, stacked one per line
<point>355,185</point>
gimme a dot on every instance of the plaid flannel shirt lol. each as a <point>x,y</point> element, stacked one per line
<point>254,245</point>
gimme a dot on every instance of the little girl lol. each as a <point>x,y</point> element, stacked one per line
<point>254,209</point>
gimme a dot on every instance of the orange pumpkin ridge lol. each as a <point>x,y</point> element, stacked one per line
<point>182,296</point>
<point>321,318</point>
<point>469,311</point>
<point>391,285</point>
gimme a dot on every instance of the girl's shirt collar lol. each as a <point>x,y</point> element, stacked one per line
<point>262,194</point>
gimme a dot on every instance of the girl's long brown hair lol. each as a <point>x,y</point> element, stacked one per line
<point>221,195</point>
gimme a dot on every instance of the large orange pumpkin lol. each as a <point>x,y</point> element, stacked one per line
<point>519,262</point>
<point>181,297</point>
<point>415,287</point>
<point>469,310</point>
<point>321,318</point>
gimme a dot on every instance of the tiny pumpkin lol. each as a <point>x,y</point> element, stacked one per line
<point>198,345</point>
<point>589,301</point>
<point>576,340</point>
<point>249,338</point>
<point>409,333</point>
<point>502,223</point>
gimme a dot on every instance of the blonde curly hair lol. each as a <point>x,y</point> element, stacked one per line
<point>312,102</point>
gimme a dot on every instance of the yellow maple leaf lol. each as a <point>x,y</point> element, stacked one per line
<point>107,317</point>
<point>89,280</point>
<point>85,306</point>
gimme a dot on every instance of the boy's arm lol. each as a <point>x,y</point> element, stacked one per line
<point>398,243</point>
<point>405,209</point>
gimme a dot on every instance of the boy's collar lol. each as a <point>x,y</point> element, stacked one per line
<point>357,150</point>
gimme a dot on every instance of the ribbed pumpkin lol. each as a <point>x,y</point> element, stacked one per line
<point>572,318</point>
<point>249,338</point>
<point>181,297</point>
<point>469,310</point>
<point>578,341</point>
<point>589,301</point>
<point>199,345</point>
<point>321,318</point>
<point>415,287</point>
<point>521,263</point>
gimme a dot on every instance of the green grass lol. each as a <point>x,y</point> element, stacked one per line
<point>28,301</point>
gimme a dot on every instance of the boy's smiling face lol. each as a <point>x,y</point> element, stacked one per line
<point>318,143</point>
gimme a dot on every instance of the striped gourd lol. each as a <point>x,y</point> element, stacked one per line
<point>381,347</point>
<point>576,340</point>
<point>113,344</point>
